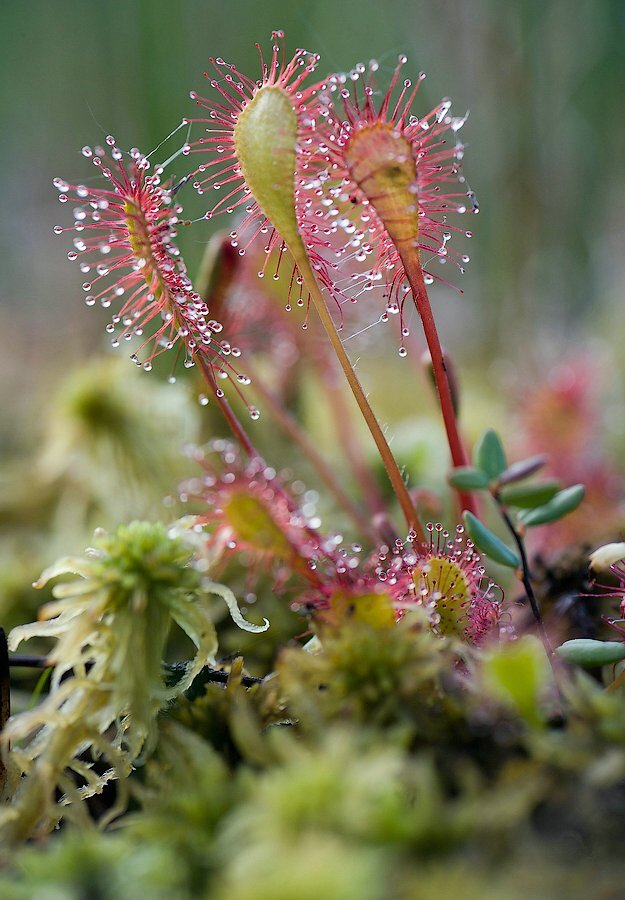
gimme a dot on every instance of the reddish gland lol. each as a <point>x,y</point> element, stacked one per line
<point>381,163</point>
<point>447,589</point>
<point>139,238</point>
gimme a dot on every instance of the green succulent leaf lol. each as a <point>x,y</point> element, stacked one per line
<point>468,478</point>
<point>487,541</point>
<point>528,496</point>
<point>518,471</point>
<point>560,505</point>
<point>585,652</point>
<point>489,455</point>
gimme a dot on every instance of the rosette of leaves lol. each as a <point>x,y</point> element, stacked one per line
<point>111,628</point>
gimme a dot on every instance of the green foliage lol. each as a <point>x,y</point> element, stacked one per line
<point>386,758</point>
<point>252,522</point>
<point>527,496</point>
<point>384,678</point>
<point>84,864</point>
<point>111,629</point>
<point>560,505</point>
<point>522,469</point>
<point>367,769</point>
<point>518,674</point>
<point>489,455</point>
<point>468,478</point>
<point>589,653</point>
<point>487,541</point>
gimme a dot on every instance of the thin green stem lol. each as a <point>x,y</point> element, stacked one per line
<point>414,274</point>
<point>289,426</point>
<point>390,464</point>
<point>526,578</point>
<point>526,575</point>
<point>353,450</point>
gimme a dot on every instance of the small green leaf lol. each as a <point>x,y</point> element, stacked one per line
<point>564,502</point>
<point>489,543</point>
<point>518,674</point>
<point>489,455</point>
<point>529,496</point>
<point>589,653</point>
<point>523,469</point>
<point>468,478</point>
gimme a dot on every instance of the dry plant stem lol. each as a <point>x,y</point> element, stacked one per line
<point>226,409</point>
<point>414,273</point>
<point>290,427</point>
<point>29,662</point>
<point>392,469</point>
<point>215,675</point>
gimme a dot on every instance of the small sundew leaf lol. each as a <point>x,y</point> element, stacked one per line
<point>489,455</point>
<point>253,523</point>
<point>488,542</point>
<point>265,143</point>
<point>563,503</point>
<point>446,586</point>
<point>585,652</point>
<point>231,602</point>
<point>381,161</point>
<point>467,478</point>
<point>523,469</point>
<point>375,610</point>
<point>529,496</point>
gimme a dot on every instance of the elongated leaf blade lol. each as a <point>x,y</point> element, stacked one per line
<point>466,478</point>
<point>563,503</point>
<point>585,652</point>
<point>488,542</point>
<point>489,455</point>
<point>523,469</point>
<point>529,496</point>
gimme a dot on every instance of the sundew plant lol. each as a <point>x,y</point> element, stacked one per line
<point>366,690</point>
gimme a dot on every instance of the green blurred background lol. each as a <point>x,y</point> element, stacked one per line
<point>543,79</point>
